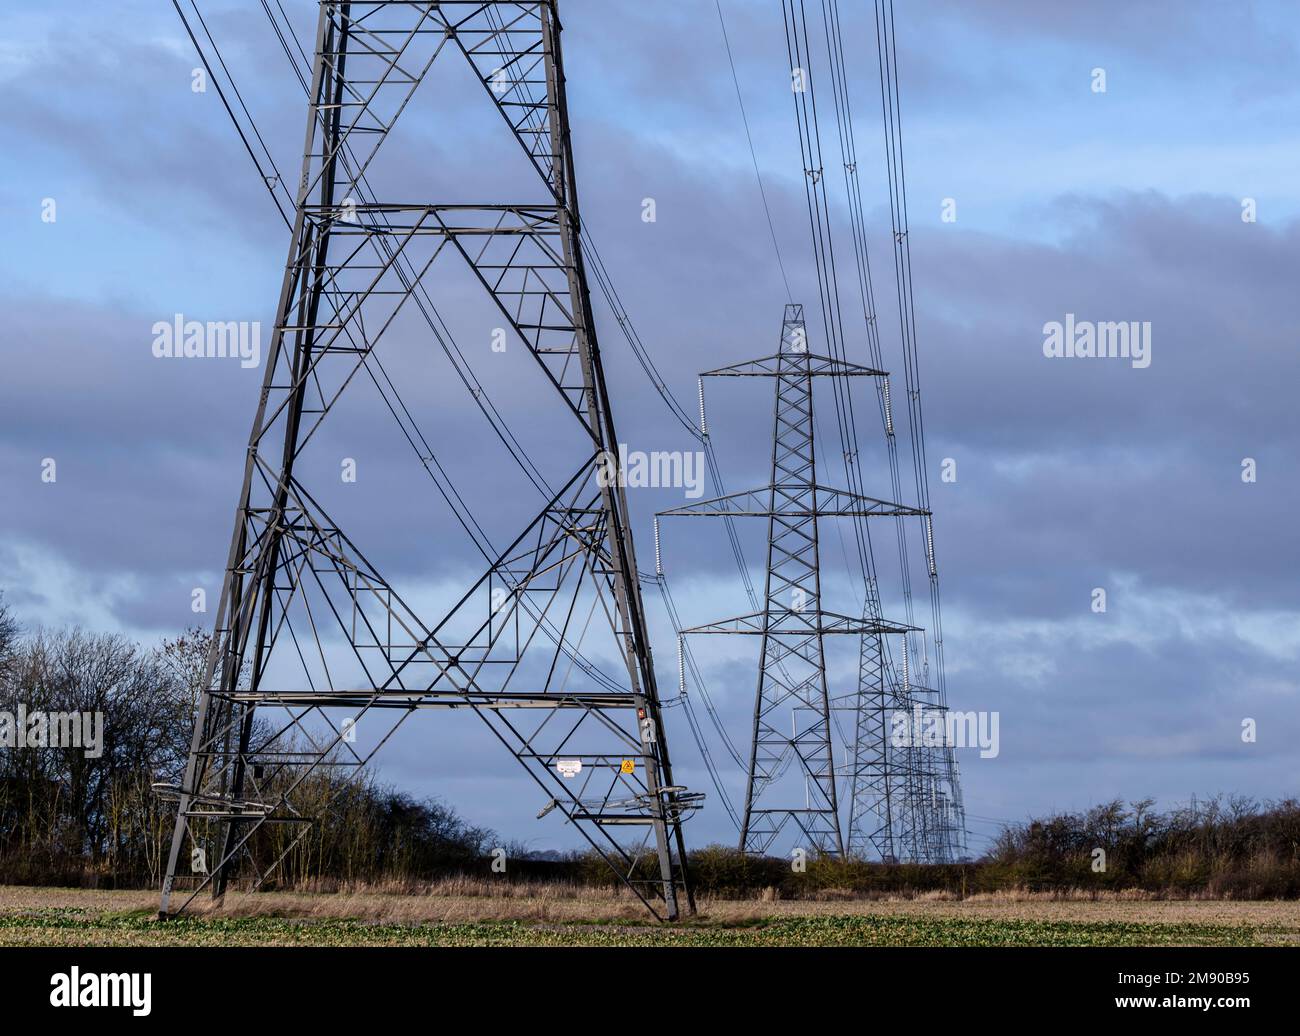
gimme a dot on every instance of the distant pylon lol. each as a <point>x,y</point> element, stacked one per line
<point>520,649</point>
<point>792,778</point>
<point>877,812</point>
<point>905,798</point>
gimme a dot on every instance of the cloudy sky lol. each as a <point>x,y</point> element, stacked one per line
<point>1072,474</point>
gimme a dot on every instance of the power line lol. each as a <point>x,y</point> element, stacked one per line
<point>753,154</point>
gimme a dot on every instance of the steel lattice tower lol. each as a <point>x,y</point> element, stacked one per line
<point>792,755</point>
<point>875,807</point>
<point>512,650</point>
<point>903,797</point>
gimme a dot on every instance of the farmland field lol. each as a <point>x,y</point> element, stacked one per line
<point>448,916</point>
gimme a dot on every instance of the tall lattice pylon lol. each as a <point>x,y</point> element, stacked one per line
<point>312,641</point>
<point>878,813</point>
<point>904,794</point>
<point>792,776</point>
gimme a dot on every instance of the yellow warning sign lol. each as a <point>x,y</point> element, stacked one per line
<point>629,766</point>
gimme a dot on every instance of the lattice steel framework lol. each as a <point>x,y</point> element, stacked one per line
<point>903,796</point>
<point>792,753</point>
<point>517,649</point>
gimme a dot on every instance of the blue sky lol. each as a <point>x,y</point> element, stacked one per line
<point>1072,474</point>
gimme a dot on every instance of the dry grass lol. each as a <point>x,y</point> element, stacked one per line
<point>477,913</point>
<point>462,900</point>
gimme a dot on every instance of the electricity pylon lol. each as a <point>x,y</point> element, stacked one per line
<point>878,813</point>
<point>905,798</point>
<point>312,643</point>
<point>792,774</point>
